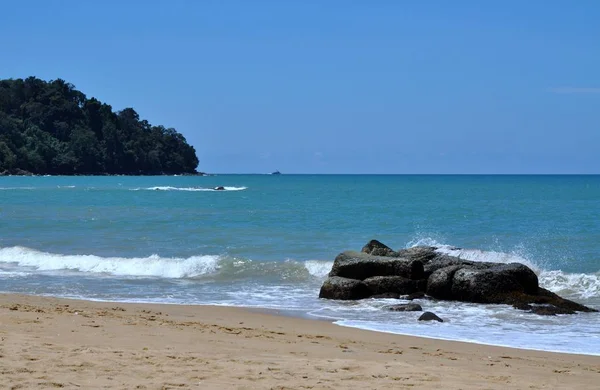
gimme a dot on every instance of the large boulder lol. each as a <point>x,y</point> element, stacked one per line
<point>405,307</point>
<point>490,285</point>
<point>379,271</point>
<point>379,285</point>
<point>483,283</point>
<point>439,283</point>
<point>359,265</point>
<point>336,287</point>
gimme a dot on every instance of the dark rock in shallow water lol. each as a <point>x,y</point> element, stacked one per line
<point>484,283</point>
<point>550,310</point>
<point>395,284</point>
<point>357,275</point>
<point>220,188</point>
<point>522,306</point>
<point>336,287</point>
<point>429,316</point>
<point>543,310</point>
<point>387,295</point>
<point>439,283</point>
<point>417,295</point>
<point>544,296</point>
<point>492,284</point>
<point>358,265</point>
<point>406,307</point>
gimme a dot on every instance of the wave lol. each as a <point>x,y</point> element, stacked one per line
<point>200,189</point>
<point>224,268</point>
<point>216,267</point>
<point>34,188</point>
<point>580,285</point>
<point>12,274</point>
<point>568,284</point>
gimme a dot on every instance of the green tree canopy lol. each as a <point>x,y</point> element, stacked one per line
<point>52,128</point>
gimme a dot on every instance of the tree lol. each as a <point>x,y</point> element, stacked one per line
<point>51,127</point>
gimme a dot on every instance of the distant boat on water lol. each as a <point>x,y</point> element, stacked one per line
<point>276,173</point>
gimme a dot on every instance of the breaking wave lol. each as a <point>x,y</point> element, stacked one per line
<point>21,261</point>
<point>198,189</point>
<point>213,266</point>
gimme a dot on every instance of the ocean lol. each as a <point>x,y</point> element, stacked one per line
<point>268,241</point>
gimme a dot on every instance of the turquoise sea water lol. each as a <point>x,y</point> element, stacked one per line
<point>268,241</point>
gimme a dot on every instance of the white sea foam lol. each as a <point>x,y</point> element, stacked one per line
<point>12,274</point>
<point>152,266</point>
<point>318,268</point>
<point>580,285</point>
<point>157,266</point>
<point>16,188</point>
<point>193,189</point>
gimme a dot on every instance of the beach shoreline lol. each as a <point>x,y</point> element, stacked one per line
<point>54,342</point>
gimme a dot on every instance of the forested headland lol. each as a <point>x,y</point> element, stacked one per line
<point>52,128</point>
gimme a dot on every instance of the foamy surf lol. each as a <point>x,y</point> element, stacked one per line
<point>217,267</point>
<point>191,189</point>
<point>151,266</point>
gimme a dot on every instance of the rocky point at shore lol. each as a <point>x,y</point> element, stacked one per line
<point>378,271</point>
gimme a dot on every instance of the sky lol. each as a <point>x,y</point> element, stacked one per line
<point>332,86</point>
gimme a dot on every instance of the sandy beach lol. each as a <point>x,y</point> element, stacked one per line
<point>60,343</point>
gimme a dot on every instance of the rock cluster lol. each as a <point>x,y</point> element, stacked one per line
<point>381,272</point>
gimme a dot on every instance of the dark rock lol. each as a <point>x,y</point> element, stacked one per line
<point>482,283</point>
<point>439,284</point>
<point>543,310</point>
<point>522,306</point>
<point>544,296</point>
<point>343,288</point>
<point>220,188</point>
<point>388,295</point>
<point>443,261</point>
<point>390,284</point>
<point>22,172</point>
<point>424,270</point>
<point>358,265</point>
<point>550,310</point>
<point>417,295</point>
<point>16,172</point>
<point>422,253</point>
<point>492,284</point>
<point>376,248</point>
<point>421,284</point>
<point>406,307</point>
<point>429,316</point>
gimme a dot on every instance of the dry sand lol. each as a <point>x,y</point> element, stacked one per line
<point>50,343</point>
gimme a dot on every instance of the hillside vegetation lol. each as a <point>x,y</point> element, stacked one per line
<point>52,128</point>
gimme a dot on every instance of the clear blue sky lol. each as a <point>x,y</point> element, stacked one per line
<point>325,86</point>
